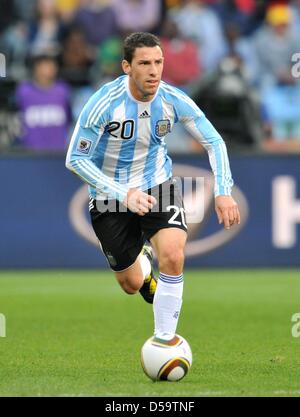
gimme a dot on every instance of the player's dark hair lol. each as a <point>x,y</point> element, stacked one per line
<point>138,40</point>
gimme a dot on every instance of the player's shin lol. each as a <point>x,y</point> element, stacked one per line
<point>167,305</point>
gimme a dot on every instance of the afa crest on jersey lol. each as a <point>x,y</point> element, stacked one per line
<point>162,127</point>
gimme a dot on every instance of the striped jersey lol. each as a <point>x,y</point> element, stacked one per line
<point>119,142</point>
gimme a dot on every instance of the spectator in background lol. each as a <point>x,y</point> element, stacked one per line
<point>97,20</point>
<point>181,61</point>
<point>172,3</point>
<point>275,44</point>
<point>76,57</point>
<point>7,18</point>
<point>242,50</point>
<point>67,9</point>
<point>44,103</point>
<point>14,45</point>
<point>137,15</point>
<point>42,34</point>
<point>14,35</point>
<point>199,23</point>
<point>245,14</point>
<point>46,31</point>
<point>295,24</point>
<point>24,9</point>
<point>107,64</point>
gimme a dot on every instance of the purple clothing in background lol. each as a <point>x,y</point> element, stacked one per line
<point>135,15</point>
<point>45,115</point>
<point>97,24</point>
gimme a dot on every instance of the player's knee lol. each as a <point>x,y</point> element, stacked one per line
<point>172,260</point>
<point>129,288</point>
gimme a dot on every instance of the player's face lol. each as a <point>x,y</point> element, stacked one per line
<point>145,71</point>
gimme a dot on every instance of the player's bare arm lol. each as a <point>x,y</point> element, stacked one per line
<point>227,211</point>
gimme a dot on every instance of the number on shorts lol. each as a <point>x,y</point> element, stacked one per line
<point>177,211</point>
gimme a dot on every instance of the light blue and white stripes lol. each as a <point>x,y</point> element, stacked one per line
<point>170,279</point>
<point>110,92</point>
<point>112,140</point>
<point>201,129</point>
<point>93,176</point>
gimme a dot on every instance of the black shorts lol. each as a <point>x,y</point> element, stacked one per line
<point>122,233</point>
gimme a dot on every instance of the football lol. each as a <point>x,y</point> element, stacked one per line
<point>166,361</point>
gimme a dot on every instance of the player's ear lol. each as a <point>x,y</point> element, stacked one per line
<point>126,67</point>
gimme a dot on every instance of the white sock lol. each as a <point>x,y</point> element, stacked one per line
<point>145,265</point>
<point>167,305</point>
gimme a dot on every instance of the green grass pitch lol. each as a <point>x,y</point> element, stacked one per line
<point>75,333</point>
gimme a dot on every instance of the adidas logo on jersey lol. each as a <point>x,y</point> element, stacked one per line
<point>144,115</point>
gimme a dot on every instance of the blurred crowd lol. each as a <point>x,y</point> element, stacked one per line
<point>238,59</point>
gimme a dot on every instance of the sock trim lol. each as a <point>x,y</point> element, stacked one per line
<point>171,279</point>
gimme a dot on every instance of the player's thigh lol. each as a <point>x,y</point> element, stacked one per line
<point>120,237</point>
<point>168,213</point>
<point>165,226</point>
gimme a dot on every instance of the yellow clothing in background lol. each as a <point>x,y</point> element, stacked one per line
<point>66,6</point>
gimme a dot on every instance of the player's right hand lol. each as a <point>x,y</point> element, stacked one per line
<point>139,202</point>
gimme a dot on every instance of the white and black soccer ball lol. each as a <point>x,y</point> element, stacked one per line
<point>166,361</point>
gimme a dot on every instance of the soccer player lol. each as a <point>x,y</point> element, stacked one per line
<point>118,148</point>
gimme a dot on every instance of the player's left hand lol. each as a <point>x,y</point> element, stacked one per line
<point>227,211</point>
